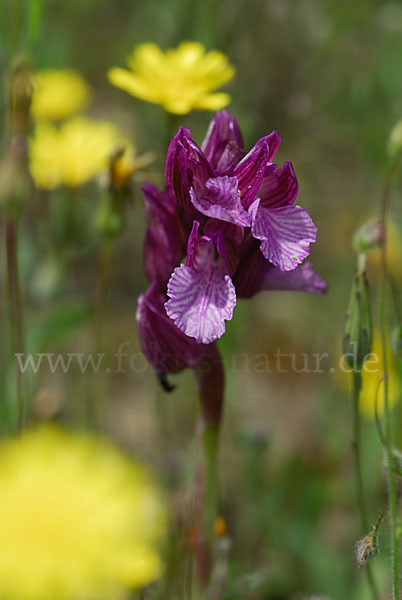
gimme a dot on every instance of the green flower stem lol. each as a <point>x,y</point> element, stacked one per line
<point>15,309</point>
<point>210,378</point>
<point>172,126</point>
<point>210,445</point>
<point>357,385</point>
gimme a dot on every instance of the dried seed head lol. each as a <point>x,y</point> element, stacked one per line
<point>366,548</point>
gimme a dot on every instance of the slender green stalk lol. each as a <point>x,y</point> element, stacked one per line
<point>210,444</point>
<point>16,16</point>
<point>34,19</point>
<point>15,310</point>
<point>383,321</point>
<point>357,384</point>
<point>393,500</point>
<point>211,382</point>
<point>172,126</point>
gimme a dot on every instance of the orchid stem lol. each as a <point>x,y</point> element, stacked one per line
<point>15,309</point>
<point>210,378</point>
<point>210,444</point>
<point>357,384</point>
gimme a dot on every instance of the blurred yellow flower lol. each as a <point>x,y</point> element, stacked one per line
<point>78,519</point>
<point>72,153</point>
<point>179,79</point>
<point>372,372</point>
<point>58,94</point>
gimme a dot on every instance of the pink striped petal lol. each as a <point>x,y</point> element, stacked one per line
<point>279,188</point>
<point>223,130</point>
<point>200,302</point>
<point>221,200</point>
<point>250,172</point>
<point>285,233</point>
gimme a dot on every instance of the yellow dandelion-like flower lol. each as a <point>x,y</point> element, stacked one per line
<point>71,154</point>
<point>78,519</point>
<point>372,372</point>
<point>179,79</point>
<point>58,94</point>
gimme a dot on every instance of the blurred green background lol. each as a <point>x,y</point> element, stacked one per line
<point>328,77</point>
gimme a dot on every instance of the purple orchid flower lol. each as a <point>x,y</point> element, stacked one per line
<point>232,214</point>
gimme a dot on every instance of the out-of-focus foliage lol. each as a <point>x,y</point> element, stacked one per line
<point>327,76</point>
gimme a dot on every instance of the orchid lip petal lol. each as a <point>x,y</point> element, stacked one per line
<point>285,233</point>
<point>200,302</point>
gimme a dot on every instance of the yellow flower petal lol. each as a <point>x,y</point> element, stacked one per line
<point>79,519</point>
<point>179,79</point>
<point>58,94</point>
<point>136,86</point>
<point>73,153</point>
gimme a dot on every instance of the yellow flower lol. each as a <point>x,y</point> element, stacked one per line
<point>78,519</point>
<point>372,372</point>
<point>58,94</point>
<point>179,79</point>
<point>72,153</point>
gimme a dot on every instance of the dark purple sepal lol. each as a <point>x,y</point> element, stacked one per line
<point>166,348</point>
<point>165,243</point>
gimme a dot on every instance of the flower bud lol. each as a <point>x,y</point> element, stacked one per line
<point>367,548</point>
<point>369,235</point>
<point>358,335</point>
<point>396,341</point>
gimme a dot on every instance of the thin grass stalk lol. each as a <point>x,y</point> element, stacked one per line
<point>388,426</point>
<point>14,294</point>
<point>357,385</point>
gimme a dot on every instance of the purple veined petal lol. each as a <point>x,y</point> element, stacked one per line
<point>301,279</point>
<point>221,200</point>
<point>230,157</point>
<point>285,233</point>
<point>200,302</point>
<point>198,164</point>
<point>176,172</point>
<point>227,248</point>
<point>280,188</point>
<point>250,172</point>
<point>200,251</point>
<point>166,348</point>
<point>251,269</point>
<point>216,247</point>
<point>164,244</point>
<point>274,141</point>
<point>255,274</point>
<point>223,130</point>
<point>233,232</point>
<point>171,151</point>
